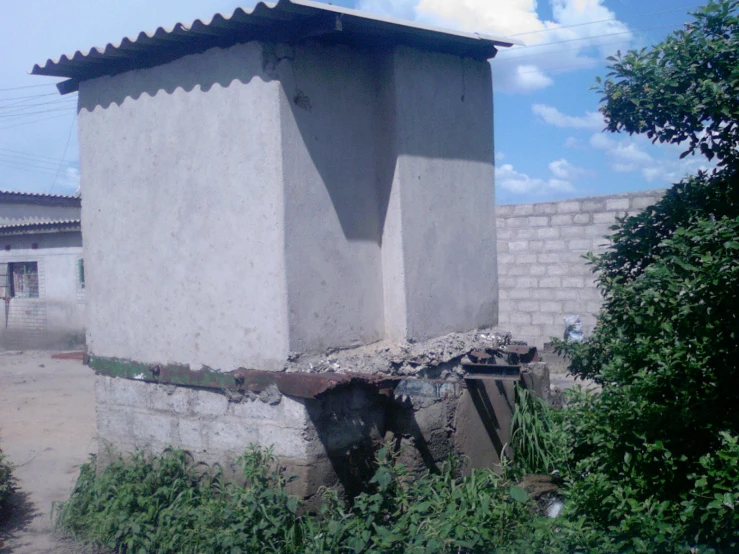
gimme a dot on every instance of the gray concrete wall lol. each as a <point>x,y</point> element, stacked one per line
<point>542,274</point>
<point>248,202</point>
<point>183,221</point>
<point>19,213</point>
<point>333,212</point>
<point>56,319</point>
<point>446,197</point>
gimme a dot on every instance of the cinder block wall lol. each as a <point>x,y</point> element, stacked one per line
<point>542,276</point>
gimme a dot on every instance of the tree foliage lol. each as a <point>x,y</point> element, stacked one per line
<point>655,453</point>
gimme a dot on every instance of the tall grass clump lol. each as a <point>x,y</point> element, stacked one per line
<point>7,485</point>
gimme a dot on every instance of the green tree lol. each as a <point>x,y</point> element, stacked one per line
<point>666,346</point>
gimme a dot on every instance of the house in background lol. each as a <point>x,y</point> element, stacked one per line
<point>42,277</point>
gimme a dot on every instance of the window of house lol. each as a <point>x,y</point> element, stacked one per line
<point>19,280</point>
<point>81,273</point>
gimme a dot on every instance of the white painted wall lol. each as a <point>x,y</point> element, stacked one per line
<point>183,216</point>
<point>57,317</point>
<point>248,202</point>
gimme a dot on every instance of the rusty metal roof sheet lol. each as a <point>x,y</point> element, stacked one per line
<point>288,21</point>
<point>37,227</point>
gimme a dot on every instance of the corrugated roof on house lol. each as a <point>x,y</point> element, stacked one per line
<point>289,21</point>
<point>57,226</point>
<point>16,197</point>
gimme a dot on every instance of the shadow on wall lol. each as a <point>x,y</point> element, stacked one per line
<point>423,432</point>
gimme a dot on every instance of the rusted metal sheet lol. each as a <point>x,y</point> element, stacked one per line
<point>299,385</point>
<point>69,356</point>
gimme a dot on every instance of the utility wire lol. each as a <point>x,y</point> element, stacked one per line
<point>32,122</point>
<point>28,86</point>
<point>64,155</point>
<point>551,29</point>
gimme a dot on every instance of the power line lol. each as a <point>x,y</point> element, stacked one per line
<point>35,105</point>
<point>30,114</point>
<point>34,121</point>
<point>64,154</point>
<point>26,154</point>
<point>28,86</point>
<point>551,29</point>
<point>514,58</point>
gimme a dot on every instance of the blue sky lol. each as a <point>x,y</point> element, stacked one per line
<point>549,143</point>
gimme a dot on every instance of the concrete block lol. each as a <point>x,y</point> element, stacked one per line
<point>503,212</point>
<point>582,219</point>
<point>548,208</point>
<point>593,205</point>
<point>193,433</point>
<point>642,202</point>
<point>599,230</point>
<point>526,283</point>
<point>550,283</point>
<point>580,245</point>
<point>114,422</point>
<point>536,245</point>
<point>507,282</point>
<point>593,307</point>
<point>505,259</point>
<point>233,435</point>
<point>503,318</point>
<point>568,207</point>
<point>566,294</point>
<point>525,259</point>
<point>605,217</point>
<point>121,392</point>
<point>557,270</point>
<point>150,428</point>
<point>549,232</point>
<point>503,235</point>
<point>617,204</point>
<point>572,232</point>
<point>517,222</point>
<point>519,318</point>
<point>500,224</point>
<point>521,294</point>
<point>527,306</point>
<point>518,246</point>
<point>169,399</point>
<point>537,270</point>
<point>542,319</point>
<point>517,270</point>
<point>555,246</point>
<point>209,404</point>
<point>502,247</point>
<point>530,331</point>
<point>523,209</point>
<point>551,307</point>
<point>504,294</point>
<point>538,221</point>
<point>507,305</point>
<point>549,258</point>
<point>565,219</point>
<point>573,282</point>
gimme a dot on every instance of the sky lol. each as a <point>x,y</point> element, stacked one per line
<point>549,138</point>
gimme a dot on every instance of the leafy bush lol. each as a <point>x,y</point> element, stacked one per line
<point>7,484</point>
<point>169,504</point>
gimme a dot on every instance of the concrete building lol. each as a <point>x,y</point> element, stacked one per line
<point>42,282</point>
<point>296,180</point>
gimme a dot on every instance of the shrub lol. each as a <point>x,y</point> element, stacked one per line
<point>7,484</point>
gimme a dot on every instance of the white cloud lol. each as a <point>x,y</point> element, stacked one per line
<point>572,142</point>
<point>551,115</point>
<point>560,181</point>
<point>562,169</point>
<point>580,33</point>
<point>629,155</point>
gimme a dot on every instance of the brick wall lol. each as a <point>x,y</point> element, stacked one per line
<point>542,275</point>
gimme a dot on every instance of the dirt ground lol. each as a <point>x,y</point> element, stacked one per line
<point>47,429</point>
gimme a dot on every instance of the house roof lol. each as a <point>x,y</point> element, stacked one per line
<point>15,197</point>
<point>37,227</point>
<point>288,21</point>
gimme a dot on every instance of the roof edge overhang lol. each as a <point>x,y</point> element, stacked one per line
<point>289,21</point>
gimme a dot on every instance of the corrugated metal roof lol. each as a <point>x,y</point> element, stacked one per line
<point>18,197</point>
<point>55,226</point>
<point>288,21</point>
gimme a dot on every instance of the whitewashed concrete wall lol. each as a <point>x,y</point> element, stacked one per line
<point>56,318</point>
<point>542,274</point>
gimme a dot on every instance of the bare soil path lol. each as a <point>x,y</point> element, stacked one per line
<point>47,429</point>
